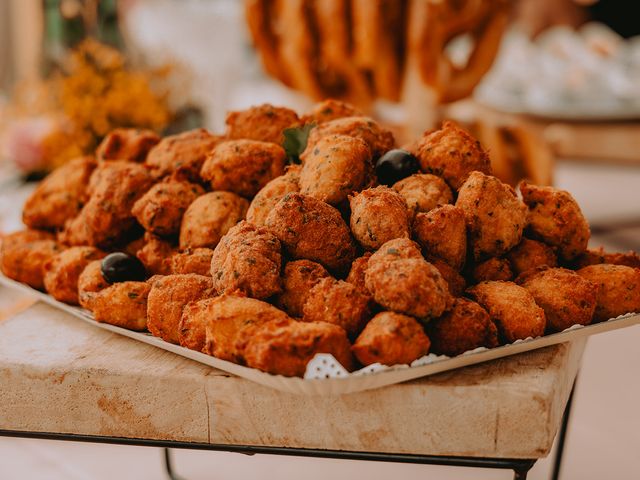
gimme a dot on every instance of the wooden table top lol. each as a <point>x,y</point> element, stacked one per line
<point>60,375</point>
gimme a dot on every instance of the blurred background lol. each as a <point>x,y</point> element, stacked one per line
<point>550,87</point>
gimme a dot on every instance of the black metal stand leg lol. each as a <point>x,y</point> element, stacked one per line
<point>168,467</point>
<point>562,436</point>
<point>522,472</point>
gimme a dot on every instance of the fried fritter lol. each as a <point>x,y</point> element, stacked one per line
<point>556,219</point>
<point>495,215</point>
<point>127,144</point>
<point>391,339</point>
<point>336,167</point>
<point>451,153</point>
<point>60,196</point>
<point>328,110</point>
<point>122,304</point>
<point>406,284</point>
<point>62,271</point>
<point>185,151</point>
<point>247,259</point>
<point>192,331</point>
<point>313,230</point>
<point>465,327</point>
<point>442,234</point>
<point>155,254</point>
<point>209,217</point>
<point>160,210</point>
<point>456,282</point>
<point>267,198</point>
<point>168,296</point>
<point>512,308</point>
<point>196,260</point>
<point>90,283</point>
<point>299,277</point>
<point>377,138</point>
<point>566,298</point>
<point>338,302</point>
<point>24,254</point>
<point>243,166</point>
<point>357,273</point>
<point>284,347</point>
<point>378,215</point>
<point>423,192</point>
<point>226,316</point>
<point>595,256</point>
<point>264,123</point>
<point>619,289</point>
<point>529,254</point>
<point>493,269</point>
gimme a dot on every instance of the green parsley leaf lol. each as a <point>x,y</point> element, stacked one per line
<point>295,141</point>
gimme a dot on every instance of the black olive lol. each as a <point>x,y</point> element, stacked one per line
<point>121,267</point>
<point>395,165</point>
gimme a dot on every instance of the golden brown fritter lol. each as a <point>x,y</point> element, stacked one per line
<point>311,229</point>
<point>62,271</point>
<point>122,304</point>
<point>330,109</point>
<point>399,248</point>
<point>60,196</point>
<point>90,283</point>
<point>209,217</point>
<point>243,166</point>
<point>168,296</point>
<point>155,254</point>
<point>192,260</point>
<point>264,123</point>
<point>465,327</point>
<point>192,332</point>
<point>284,347</point>
<point>456,282</point>
<point>423,192</point>
<point>160,210</point>
<point>391,339</point>
<point>556,219</point>
<point>495,215</point>
<point>298,278</point>
<point>267,198</point>
<point>227,316</point>
<point>247,259</point>
<point>378,215</point>
<point>451,153</point>
<point>106,218</point>
<point>529,254</point>
<point>127,144</point>
<point>442,234</point>
<point>512,308</point>
<point>24,254</point>
<point>408,285</point>
<point>185,151</point>
<point>566,298</point>
<point>338,302</point>
<point>357,273</point>
<point>336,167</point>
<point>379,139</point>
<point>492,269</point>
<point>619,289</point>
<point>595,256</point>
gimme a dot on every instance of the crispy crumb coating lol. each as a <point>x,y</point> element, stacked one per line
<point>209,218</point>
<point>619,289</point>
<point>192,260</point>
<point>243,166</point>
<point>284,347</point>
<point>269,195</point>
<point>595,256</point>
<point>391,339</point>
<point>247,259</point>
<point>168,296</point>
<point>330,109</point>
<point>155,254</point>
<point>529,254</point>
<point>512,308</point>
<point>263,123</point>
<point>442,234</point>
<point>335,168</point>
<point>495,215</point>
<point>127,144</point>
<point>456,282</point>
<point>357,273</point>
<point>298,278</point>
<point>24,254</point>
<point>62,271</point>
<point>451,153</point>
<point>311,229</point>
<point>423,192</point>
<point>556,219</point>
<point>465,327</point>
<point>492,269</point>
<point>60,196</point>
<point>122,304</point>
<point>378,215</point>
<point>566,298</point>
<point>90,283</point>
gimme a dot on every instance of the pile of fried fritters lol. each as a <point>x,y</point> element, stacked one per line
<point>266,264</point>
